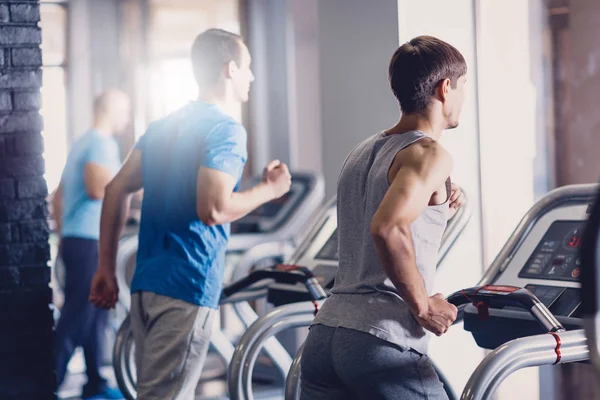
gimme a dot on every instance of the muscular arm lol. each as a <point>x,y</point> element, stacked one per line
<point>216,201</point>
<point>422,168</point>
<point>114,208</point>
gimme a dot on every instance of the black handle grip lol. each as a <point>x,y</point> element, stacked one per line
<point>492,295</point>
<point>243,283</point>
<point>487,296</point>
<point>287,274</point>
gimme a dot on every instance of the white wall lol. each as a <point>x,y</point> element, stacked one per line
<point>455,353</point>
<point>94,59</point>
<point>80,95</point>
<point>356,40</point>
<point>305,92</point>
<point>512,105</point>
<point>270,100</point>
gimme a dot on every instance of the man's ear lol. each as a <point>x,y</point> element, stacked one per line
<point>230,69</point>
<point>442,90</point>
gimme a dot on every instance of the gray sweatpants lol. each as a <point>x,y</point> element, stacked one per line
<point>171,342</point>
<point>340,363</point>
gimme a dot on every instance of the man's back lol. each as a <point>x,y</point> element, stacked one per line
<point>361,278</point>
<point>82,213</point>
<point>178,255</point>
<point>394,198</point>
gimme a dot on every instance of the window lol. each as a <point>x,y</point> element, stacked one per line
<point>53,21</point>
<point>174,24</point>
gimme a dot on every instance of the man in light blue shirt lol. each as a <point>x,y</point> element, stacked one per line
<point>189,165</point>
<point>92,162</point>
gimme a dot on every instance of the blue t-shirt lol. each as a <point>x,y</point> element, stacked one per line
<point>179,256</point>
<point>81,214</point>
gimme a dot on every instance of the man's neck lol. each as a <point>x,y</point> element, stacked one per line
<point>103,128</point>
<point>417,122</point>
<point>221,100</point>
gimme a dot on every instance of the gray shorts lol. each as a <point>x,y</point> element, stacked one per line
<point>340,363</point>
<point>171,342</point>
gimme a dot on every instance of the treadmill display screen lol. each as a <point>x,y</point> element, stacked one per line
<point>330,250</point>
<point>272,208</point>
<point>556,257</point>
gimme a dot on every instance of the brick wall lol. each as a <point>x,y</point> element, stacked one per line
<point>26,335</point>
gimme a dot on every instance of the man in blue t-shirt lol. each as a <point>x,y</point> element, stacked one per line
<point>189,165</point>
<point>92,162</point>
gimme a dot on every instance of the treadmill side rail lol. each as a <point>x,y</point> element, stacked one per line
<point>242,364</point>
<point>531,351</point>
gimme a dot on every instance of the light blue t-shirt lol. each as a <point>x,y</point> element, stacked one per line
<point>81,214</point>
<point>178,256</point>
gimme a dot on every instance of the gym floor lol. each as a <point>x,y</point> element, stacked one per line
<point>212,390</point>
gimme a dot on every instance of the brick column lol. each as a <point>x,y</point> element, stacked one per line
<point>26,324</point>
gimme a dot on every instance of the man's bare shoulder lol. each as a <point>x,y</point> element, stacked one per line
<point>423,152</point>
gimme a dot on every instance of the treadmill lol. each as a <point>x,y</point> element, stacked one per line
<point>264,237</point>
<point>527,307</point>
<point>542,255</point>
<point>279,223</point>
<point>318,256</point>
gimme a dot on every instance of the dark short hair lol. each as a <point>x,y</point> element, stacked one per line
<point>103,100</point>
<point>418,66</point>
<point>212,50</point>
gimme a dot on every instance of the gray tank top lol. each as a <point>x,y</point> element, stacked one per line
<point>363,298</point>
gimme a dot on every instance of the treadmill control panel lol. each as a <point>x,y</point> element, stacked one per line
<point>270,209</point>
<point>270,216</point>
<point>556,256</point>
<point>546,262</point>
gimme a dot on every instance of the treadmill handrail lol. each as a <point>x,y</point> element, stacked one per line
<point>241,366</point>
<point>577,194</point>
<point>292,381</point>
<point>281,274</point>
<point>530,351</point>
<point>501,296</point>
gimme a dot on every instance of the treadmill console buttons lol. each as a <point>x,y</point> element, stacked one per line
<point>555,256</point>
<point>549,246</point>
<point>573,240</point>
<point>575,273</point>
<point>537,265</point>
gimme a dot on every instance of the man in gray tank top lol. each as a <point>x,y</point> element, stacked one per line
<point>369,339</point>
